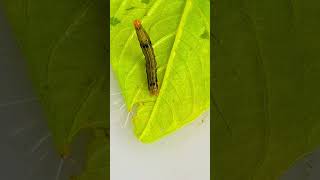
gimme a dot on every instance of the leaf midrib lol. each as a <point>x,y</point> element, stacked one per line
<point>182,21</point>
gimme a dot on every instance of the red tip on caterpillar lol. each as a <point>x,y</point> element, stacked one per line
<point>137,23</point>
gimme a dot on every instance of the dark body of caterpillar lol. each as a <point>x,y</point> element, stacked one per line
<point>151,64</point>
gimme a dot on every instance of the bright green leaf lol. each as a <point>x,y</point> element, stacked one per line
<point>183,56</point>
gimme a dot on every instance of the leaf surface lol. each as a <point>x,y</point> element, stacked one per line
<point>65,47</point>
<point>265,69</point>
<point>64,43</point>
<point>179,33</point>
<point>97,160</point>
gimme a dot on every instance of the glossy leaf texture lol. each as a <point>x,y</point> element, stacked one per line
<point>179,31</point>
<point>265,73</point>
<point>64,43</point>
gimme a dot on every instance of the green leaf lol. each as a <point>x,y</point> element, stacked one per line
<point>265,73</point>
<point>97,161</point>
<point>64,43</point>
<point>176,29</point>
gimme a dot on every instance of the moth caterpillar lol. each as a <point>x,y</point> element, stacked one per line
<point>151,64</point>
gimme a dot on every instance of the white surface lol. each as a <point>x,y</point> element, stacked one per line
<point>183,155</point>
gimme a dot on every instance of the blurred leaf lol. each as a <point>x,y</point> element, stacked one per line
<point>64,43</point>
<point>176,29</point>
<point>97,161</point>
<point>65,46</point>
<point>265,72</point>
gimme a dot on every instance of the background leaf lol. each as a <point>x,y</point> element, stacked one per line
<point>97,161</point>
<point>179,32</point>
<point>64,43</point>
<point>265,69</point>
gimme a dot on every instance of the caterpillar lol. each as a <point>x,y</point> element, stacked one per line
<point>151,64</point>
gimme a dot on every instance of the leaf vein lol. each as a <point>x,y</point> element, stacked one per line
<point>63,37</point>
<point>178,35</point>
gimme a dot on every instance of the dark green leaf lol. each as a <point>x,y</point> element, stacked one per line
<point>265,72</point>
<point>97,161</point>
<point>64,43</point>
